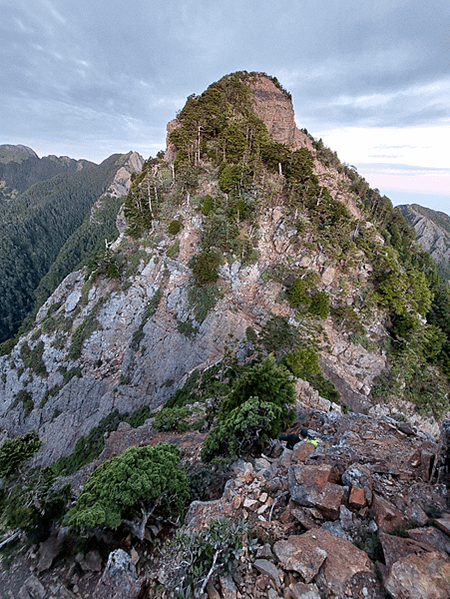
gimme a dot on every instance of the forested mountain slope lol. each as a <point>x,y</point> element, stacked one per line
<point>35,225</point>
<point>433,233</point>
<point>21,167</point>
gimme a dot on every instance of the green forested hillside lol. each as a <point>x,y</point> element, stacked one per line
<point>81,245</point>
<point>34,227</point>
<point>20,168</point>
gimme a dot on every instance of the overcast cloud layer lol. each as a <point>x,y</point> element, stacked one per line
<point>89,78</point>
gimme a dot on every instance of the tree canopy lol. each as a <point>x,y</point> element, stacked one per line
<point>146,479</point>
<point>258,409</point>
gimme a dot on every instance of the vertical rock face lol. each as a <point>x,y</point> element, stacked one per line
<point>274,108</point>
<point>122,179</point>
<point>433,233</point>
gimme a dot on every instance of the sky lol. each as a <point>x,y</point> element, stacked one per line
<point>89,78</point>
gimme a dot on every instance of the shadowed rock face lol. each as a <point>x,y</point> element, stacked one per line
<point>433,233</point>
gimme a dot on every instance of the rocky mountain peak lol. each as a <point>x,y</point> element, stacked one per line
<point>121,183</point>
<point>15,153</point>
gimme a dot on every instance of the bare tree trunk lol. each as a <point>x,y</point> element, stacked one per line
<point>199,593</point>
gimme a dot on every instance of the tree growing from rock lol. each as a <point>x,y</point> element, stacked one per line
<point>141,483</point>
<point>259,408</point>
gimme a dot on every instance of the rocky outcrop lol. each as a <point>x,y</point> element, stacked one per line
<point>121,183</point>
<point>344,518</point>
<point>433,233</point>
<point>274,107</point>
<point>114,371</point>
<point>331,514</point>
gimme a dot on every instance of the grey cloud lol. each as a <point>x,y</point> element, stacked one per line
<point>138,60</point>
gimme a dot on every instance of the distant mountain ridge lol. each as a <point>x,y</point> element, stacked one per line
<point>21,167</point>
<point>433,233</point>
<point>36,224</point>
<point>18,153</point>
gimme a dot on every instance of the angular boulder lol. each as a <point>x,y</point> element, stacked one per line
<point>420,577</point>
<point>310,486</point>
<point>320,555</point>
<point>119,579</point>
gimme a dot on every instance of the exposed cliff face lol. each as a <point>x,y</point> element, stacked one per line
<point>274,108</point>
<point>122,179</point>
<point>118,375</point>
<point>433,233</point>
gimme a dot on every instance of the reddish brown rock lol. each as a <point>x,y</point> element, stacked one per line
<point>395,548</point>
<point>414,513</point>
<point>358,475</point>
<point>426,462</point>
<point>274,107</point>
<point>303,518</point>
<point>341,561</point>
<point>444,524</point>
<point>432,537</point>
<point>330,501</point>
<point>302,554</point>
<point>302,451</point>
<point>357,499</point>
<point>420,577</point>
<point>300,590</point>
<point>387,516</point>
<point>309,486</point>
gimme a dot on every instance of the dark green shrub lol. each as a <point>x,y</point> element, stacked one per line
<point>302,362</point>
<point>202,300</point>
<point>207,205</point>
<point>320,305</point>
<point>207,481</point>
<point>85,329</point>
<point>257,409</point>
<point>278,336</point>
<point>187,328</point>
<point>13,452</point>
<point>229,178</point>
<point>174,227</point>
<point>324,387</point>
<point>205,267</point>
<point>246,429</point>
<point>32,358</point>
<point>147,479</point>
<point>139,416</point>
<point>346,319</point>
<point>172,419</point>
<point>298,295</point>
<point>173,251</point>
